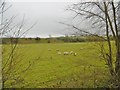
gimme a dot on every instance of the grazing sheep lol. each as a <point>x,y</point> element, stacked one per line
<point>81,48</point>
<point>71,52</point>
<point>57,50</point>
<point>59,53</point>
<point>66,53</point>
<point>49,49</point>
<point>75,54</point>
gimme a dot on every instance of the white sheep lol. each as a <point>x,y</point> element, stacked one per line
<point>66,53</point>
<point>49,49</point>
<point>81,48</point>
<point>57,50</point>
<point>59,53</point>
<point>71,52</point>
<point>75,54</point>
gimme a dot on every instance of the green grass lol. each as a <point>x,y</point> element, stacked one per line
<point>52,70</point>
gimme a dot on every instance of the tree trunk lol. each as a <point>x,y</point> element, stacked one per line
<point>117,66</point>
<point>109,55</point>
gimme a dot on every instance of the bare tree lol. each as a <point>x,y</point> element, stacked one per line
<point>11,62</point>
<point>103,16</point>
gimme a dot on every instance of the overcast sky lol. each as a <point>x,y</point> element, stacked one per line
<point>46,14</point>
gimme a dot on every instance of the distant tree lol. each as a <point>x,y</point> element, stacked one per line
<point>26,38</point>
<point>49,41</point>
<point>30,38</point>
<point>37,38</point>
<point>50,36</point>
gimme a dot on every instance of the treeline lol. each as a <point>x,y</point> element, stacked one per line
<point>81,38</point>
<point>54,40</point>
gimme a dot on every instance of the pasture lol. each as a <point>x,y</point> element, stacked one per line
<point>52,69</point>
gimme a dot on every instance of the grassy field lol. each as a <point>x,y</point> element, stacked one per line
<point>49,69</point>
